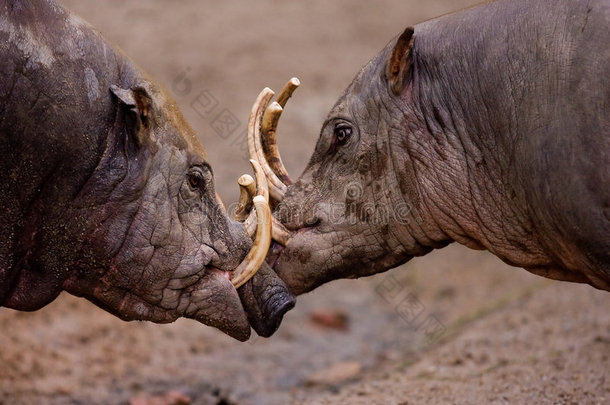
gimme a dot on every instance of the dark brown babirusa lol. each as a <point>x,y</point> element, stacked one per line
<point>105,190</point>
<point>489,127</point>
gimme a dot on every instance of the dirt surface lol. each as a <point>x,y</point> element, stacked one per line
<point>456,326</point>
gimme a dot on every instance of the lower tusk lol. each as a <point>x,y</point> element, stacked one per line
<point>277,194</point>
<point>262,190</point>
<point>250,224</point>
<point>262,187</point>
<point>279,233</point>
<point>256,256</point>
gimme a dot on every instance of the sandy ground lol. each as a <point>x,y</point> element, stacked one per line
<point>456,326</point>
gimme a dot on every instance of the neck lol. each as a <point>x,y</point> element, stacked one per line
<point>458,151</point>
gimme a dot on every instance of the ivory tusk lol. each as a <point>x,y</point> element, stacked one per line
<point>258,252</point>
<point>279,233</point>
<point>250,224</point>
<point>287,91</point>
<point>269,137</point>
<point>255,149</point>
<point>269,171</point>
<point>271,117</point>
<point>273,155</point>
<point>261,190</point>
<point>247,185</point>
<point>262,187</point>
<point>247,190</point>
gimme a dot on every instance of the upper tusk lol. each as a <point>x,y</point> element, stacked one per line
<point>270,148</point>
<point>247,190</point>
<point>271,117</point>
<point>247,185</point>
<point>274,154</point>
<point>271,175</point>
<point>258,108</point>
<point>255,149</point>
<point>256,256</point>
<point>287,91</point>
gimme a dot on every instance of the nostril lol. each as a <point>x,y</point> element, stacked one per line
<point>274,311</point>
<point>266,300</point>
<point>297,225</point>
<point>312,222</point>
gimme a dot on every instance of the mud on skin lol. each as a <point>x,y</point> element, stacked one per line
<point>106,192</point>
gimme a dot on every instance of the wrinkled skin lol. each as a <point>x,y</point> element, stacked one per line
<point>106,191</point>
<point>488,127</point>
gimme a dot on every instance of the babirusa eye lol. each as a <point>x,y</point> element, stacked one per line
<point>342,132</point>
<point>195,180</point>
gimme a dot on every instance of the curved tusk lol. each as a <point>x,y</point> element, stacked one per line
<point>247,190</point>
<point>279,233</point>
<point>250,224</point>
<point>270,148</point>
<point>262,187</point>
<point>287,91</point>
<point>247,183</point>
<point>271,117</point>
<point>255,149</point>
<point>261,190</point>
<point>258,252</point>
<point>274,154</point>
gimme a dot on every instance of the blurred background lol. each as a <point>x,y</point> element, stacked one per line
<point>456,326</point>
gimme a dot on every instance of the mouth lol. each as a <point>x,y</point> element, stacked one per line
<point>266,300</point>
<point>264,297</point>
<point>275,250</point>
<point>263,300</point>
<point>214,301</point>
<point>219,273</point>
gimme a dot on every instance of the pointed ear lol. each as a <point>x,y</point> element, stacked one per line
<point>138,104</point>
<point>399,66</point>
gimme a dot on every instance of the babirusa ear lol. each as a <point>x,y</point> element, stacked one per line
<point>399,66</point>
<point>138,103</point>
